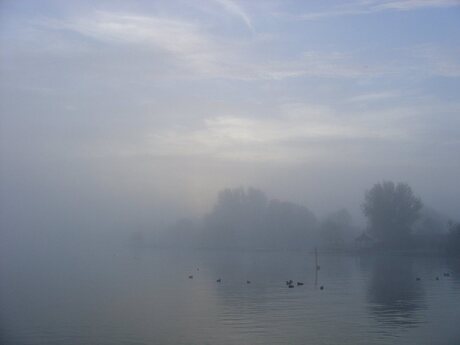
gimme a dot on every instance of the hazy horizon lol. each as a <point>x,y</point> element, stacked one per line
<point>229,172</point>
<point>126,115</point>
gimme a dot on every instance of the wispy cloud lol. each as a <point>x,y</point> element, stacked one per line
<point>188,49</point>
<point>233,8</point>
<point>373,97</point>
<point>192,50</point>
<point>177,37</point>
<point>373,6</point>
<point>436,60</point>
<point>299,131</point>
<point>407,5</point>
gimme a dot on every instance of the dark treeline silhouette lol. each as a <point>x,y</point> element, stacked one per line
<point>248,219</point>
<point>430,230</point>
<point>337,231</point>
<point>391,210</point>
<point>453,239</point>
<point>397,219</point>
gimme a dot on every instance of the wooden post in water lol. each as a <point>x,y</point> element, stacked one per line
<point>316,267</point>
<point>316,259</point>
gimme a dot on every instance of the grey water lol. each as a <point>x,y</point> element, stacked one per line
<point>133,296</point>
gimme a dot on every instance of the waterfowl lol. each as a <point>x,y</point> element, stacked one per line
<point>446,274</point>
<point>299,283</point>
<point>418,278</point>
<point>190,277</point>
<point>248,282</point>
<point>321,287</point>
<point>437,278</point>
<point>219,280</point>
<point>290,286</point>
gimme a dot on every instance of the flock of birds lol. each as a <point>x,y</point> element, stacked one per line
<point>289,283</point>
<point>445,274</point>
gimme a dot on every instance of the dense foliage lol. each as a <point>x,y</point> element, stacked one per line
<point>247,219</point>
<point>391,210</point>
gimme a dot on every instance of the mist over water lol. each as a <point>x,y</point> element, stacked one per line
<point>146,142</point>
<point>142,297</point>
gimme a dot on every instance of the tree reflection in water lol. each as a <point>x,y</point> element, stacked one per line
<point>394,294</point>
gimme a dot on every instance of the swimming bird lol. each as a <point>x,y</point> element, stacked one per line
<point>190,277</point>
<point>219,280</point>
<point>299,283</point>
<point>290,286</point>
<point>289,282</point>
<point>248,282</point>
<point>437,278</point>
<point>418,278</point>
<point>321,287</point>
<point>446,274</point>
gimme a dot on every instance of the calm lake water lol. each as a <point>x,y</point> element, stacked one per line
<point>127,296</point>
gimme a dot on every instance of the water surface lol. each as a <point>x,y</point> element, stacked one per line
<point>127,296</point>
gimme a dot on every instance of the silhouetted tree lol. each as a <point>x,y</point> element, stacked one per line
<point>335,229</point>
<point>246,219</point>
<point>288,226</point>
<point>236,219</point>
<point>453,238</point>
<point>430,229</point>
<point>183,233</point>
<point>430,222</point>
<point>391,210</point>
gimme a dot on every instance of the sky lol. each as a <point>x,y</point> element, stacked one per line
<point>128,114</point>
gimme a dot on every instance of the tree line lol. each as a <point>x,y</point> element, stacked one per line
<point>248,219</point>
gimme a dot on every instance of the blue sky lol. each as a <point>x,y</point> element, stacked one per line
<point>137,106</point>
